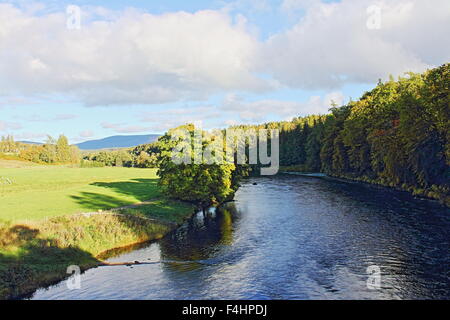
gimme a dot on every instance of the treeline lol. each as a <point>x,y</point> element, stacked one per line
<point>9,146</point>
<point>142,156</point>
<point>53,151</point>
<point>395,135</point>
<point>59,151</point>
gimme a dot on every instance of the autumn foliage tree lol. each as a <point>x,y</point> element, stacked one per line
<point>51,152</point>
<point>200,183</point>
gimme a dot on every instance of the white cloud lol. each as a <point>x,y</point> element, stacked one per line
<point>331,45</point>
<point>7,125</point>
<point>14,101</point>
<point>135,57</point>
<point>40,118</point>
<point>261,110</point>
<point>234,109</point>
<point>132,57</point>
<point>65,116</point>
<point>86,134</point>
<point>248,6</point>
<point>30,136</point>
<point>335,97</point>
<point>209,115</point>
<point>289,5</point>
<point>124,128</point>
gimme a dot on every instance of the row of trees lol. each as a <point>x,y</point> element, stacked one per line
<point>395,135</point>
<point>111,158</point>
<point>142,156</point>
<point>58,151</point>
<point>53,151</point>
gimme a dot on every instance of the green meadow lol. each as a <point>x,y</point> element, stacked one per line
<point>48,191</point>
<point>42,232</point>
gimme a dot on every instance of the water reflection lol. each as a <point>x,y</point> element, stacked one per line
<point>201,237</point>
<point>290,237</point>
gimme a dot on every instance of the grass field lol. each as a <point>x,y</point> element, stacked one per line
<point>44,191</point>
<point>41,233</point>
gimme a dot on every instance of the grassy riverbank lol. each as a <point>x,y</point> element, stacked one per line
<point>42,232</point>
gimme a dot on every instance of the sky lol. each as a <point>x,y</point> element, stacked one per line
<point>90,69</point>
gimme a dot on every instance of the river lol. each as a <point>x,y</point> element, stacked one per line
<point>289,237</point>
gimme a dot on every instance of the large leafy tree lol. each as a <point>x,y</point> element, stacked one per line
<point>200,183</point>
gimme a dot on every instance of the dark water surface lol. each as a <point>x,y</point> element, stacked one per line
<point>289,237</point>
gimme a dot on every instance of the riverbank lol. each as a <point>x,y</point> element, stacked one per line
<point>432,193</point>
<point>37,254</point>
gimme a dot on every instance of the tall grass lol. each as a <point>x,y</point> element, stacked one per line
<point>39,253</point>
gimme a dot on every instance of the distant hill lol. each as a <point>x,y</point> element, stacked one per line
<point>118,142</point>
<point>30,142</point>
<point>112,142</point>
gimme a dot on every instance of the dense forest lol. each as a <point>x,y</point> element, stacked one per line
<point>395,135</point>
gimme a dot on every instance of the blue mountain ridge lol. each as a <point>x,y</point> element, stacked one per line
<point>113,142</point>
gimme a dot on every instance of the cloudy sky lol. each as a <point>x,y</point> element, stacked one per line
<point>137,67</point>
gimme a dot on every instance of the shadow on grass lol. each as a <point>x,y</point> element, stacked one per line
<point>28,262</point>
<point>95,201</point>
<point>141,189</point>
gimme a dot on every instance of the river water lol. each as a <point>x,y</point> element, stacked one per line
<point>289,237</point>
